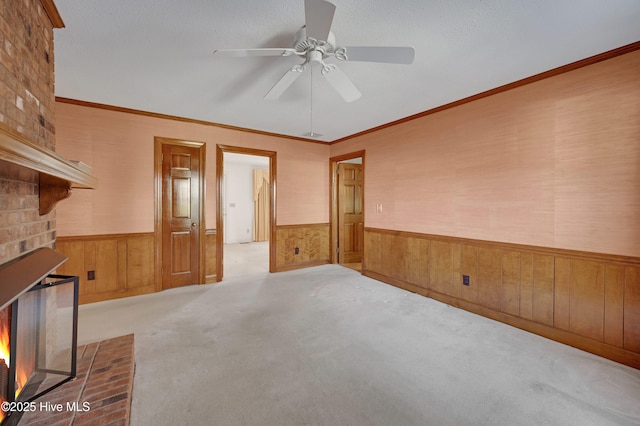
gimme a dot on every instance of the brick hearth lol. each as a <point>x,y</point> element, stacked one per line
<point>104,380</point>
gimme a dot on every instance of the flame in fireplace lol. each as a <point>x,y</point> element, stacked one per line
<point>5,350</point>
<point>21,379</point>
<point>4,342</point>
<point>5,357</point>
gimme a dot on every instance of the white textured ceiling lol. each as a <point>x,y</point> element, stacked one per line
<point>156,55</point>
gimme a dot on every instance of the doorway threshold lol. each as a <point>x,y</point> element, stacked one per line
<point>356,266</point>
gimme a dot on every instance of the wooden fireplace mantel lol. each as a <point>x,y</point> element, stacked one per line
<point>57,174</point>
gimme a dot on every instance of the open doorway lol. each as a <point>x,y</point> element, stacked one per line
<point>347,210</point>
<point>245,211</point>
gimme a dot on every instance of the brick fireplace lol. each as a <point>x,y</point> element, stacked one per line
<point>27,111</point>
<point>32,176</point>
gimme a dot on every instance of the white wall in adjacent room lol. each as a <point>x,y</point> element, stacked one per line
<point>238,202</point>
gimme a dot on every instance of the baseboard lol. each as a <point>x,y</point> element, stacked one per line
<point>101,297</point>
<point>301,265</point>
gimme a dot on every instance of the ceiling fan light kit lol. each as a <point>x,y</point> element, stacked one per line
<point>315,43</point>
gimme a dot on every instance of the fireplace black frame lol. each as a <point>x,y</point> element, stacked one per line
<point>52,280</point>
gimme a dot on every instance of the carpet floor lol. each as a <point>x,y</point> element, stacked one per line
<point>328,346</point>
<point>245,259</point>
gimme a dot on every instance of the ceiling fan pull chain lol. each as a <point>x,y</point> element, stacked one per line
<point>311,107</point>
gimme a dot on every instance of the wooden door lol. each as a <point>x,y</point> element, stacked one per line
<point>180,215</point>
<point>350,224</point>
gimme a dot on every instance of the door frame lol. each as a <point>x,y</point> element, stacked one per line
<point>158,224</point>
<point>333,202</point>
<point>273,172</point>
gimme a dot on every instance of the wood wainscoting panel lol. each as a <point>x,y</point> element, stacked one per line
<point>74,250</point>
<point>632,308</point>
<point>372,256</point>
<point>586,313</point>
<point>526,285</point>
<point>122,264</point>
<point>469,266</point>
<point>210,256</point>
<point>387,262</point>
<point>543,277</point>
<point>490,277</point>
<point>614,304</point>
<point>107,259</point>
<point>440,266</point>
<point>400,259</point>
<point>587,300</point>
<point>562,293</point>
<point>89,255</point>
<point>139,266</point>
<point>456,287</point>
<point>311,242</point>
<point>425,254</point>
<point>511,281</point>
<point>406,258</point>
<point>417,253</point>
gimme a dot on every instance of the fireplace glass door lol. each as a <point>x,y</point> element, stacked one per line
<point>43,339</point>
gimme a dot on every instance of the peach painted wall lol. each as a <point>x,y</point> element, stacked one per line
<point>119,147</point>
<point>555,163</point>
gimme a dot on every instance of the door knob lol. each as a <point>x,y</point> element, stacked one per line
<point>193,224</point>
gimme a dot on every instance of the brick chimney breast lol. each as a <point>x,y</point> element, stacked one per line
<point>26,106</point>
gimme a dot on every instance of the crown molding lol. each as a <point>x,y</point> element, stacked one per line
<point>177,118</point>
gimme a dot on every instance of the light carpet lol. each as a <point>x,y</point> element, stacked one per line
<point>328,346</point>
<point>246,259</point>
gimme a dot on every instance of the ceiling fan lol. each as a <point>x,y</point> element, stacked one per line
<point>315,42</point>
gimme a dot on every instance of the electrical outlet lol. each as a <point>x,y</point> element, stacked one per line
<point>297,250</point>
<point>466,280</point>
<point>91,275</point>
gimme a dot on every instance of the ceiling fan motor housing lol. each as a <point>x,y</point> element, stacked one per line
<point>302,43</point>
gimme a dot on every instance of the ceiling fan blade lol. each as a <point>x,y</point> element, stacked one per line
<point>283,84</point>
<point>342,84</point>
<point>240,53</point>
<point>389,55</point>
<point>318,15</point>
